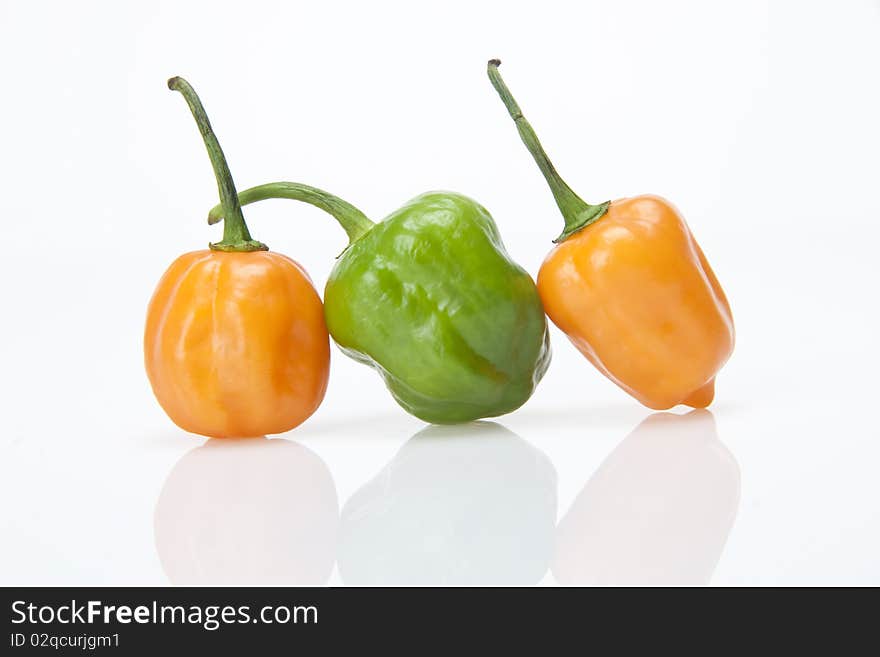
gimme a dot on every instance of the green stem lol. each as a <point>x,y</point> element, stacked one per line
<point>236,236</point>
<point>352,220</point>
<point>577,213</point>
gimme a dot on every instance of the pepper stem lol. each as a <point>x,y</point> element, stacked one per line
<point>353,221</point>
<point>236,236</point>
<point>577,213</point>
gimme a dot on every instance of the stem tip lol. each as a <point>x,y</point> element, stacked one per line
<point>492,62</point>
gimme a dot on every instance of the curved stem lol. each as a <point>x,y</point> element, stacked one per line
<point>353,221</point>
<point>577,213</point>
<point>236,236</point>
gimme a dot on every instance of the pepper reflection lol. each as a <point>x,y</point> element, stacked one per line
<point>248,511</point>
<point>473,504</point>
<point>658,510</point>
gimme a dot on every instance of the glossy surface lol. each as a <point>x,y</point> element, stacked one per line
<point>235,344</point>
<point>247,511</point>
<point>658,510</point>
<point>636,296</point>
<point>472,505</point>
<point>430,299</point>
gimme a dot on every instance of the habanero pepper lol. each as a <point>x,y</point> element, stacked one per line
<point>235,343</point>
<point>630,286</point>
<point>431,300</point>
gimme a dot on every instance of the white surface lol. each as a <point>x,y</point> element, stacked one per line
<point>760,122</point>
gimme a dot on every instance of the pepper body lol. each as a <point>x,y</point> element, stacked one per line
<point>635,294</point>
<point>431,300</point>
<point>235,344</point>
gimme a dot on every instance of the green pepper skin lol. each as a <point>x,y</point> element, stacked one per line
<point>430,299</point>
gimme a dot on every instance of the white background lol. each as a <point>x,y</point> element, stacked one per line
<point>758,120</point>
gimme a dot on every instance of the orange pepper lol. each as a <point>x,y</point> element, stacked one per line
<point>631,288</point>
<point>235,343</point>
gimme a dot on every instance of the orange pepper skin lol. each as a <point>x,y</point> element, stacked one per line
<point>635,294</point>
<point>235,344</point>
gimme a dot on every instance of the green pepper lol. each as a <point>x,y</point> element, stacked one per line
<point>431,300</point>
